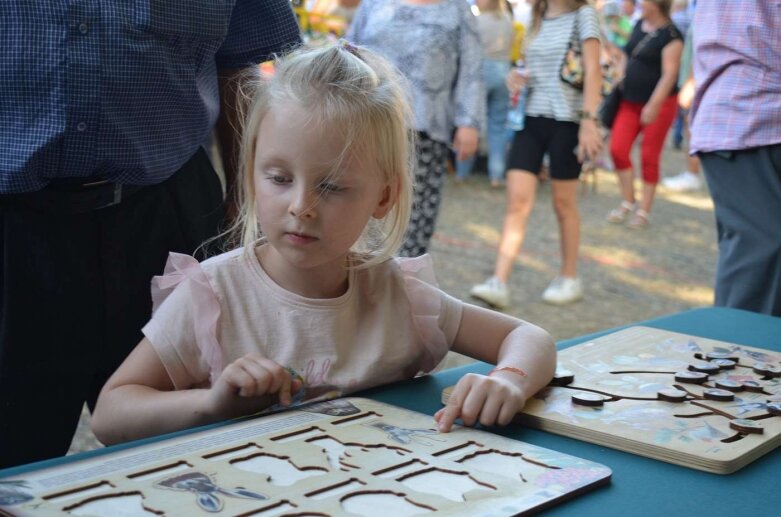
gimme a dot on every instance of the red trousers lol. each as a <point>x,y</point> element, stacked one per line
<point>627,127</point>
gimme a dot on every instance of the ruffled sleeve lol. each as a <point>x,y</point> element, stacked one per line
<point>204,305</point>
<point>435,315</point>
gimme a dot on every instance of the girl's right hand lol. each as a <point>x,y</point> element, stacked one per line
<point>516,80</point>
<point>251,384</point>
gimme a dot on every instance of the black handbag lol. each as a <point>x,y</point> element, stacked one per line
<point>609,107</point>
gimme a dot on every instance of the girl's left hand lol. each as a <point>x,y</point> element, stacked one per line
<point>649,113</point>
<point>465,142</point>
<point>589,141</point>
<point>479,398</point>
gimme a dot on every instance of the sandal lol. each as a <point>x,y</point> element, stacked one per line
<point>639,221</point>
<point>620,214</point>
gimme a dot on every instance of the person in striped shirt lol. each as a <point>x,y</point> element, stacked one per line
<point>560,121</point>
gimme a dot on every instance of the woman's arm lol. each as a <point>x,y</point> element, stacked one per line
<point>499,339</point>
<point>468,86</point>
<point>671,62</point>
<point>589,136</point>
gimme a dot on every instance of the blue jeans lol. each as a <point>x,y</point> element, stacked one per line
<point>497,103</point>
<point>678,127</point>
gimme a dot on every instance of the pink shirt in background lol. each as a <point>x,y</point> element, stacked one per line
<point>737,70</point>
<point>393,323</point>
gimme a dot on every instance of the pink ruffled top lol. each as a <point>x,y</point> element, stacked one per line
<point>392,323</point>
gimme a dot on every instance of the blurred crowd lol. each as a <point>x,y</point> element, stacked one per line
<point>532,117</point>
<point>557,73</point>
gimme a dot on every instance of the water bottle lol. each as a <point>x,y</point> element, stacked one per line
<point>515,116</point>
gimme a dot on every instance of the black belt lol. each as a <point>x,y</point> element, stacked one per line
<point>73,198</point>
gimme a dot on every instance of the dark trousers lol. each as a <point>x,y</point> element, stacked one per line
<point>74,294</point>
<point>746,190</point>
<point>430,172</point>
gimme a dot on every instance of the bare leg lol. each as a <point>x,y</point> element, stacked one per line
<point>649,192</point>
<point>693,164</point>
<point>565,203</point>
<point>626,184</point>
<point>521,193</point>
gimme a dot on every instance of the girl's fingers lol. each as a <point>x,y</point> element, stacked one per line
<point>446,416</point>
<point>266,376</point>
<point>239,380</point>
<point>261,378</point>
<point>477,398</point>
<point>508,412</point>
<point>285,397</point>
<point>473,405</point>
<point>491,408</point>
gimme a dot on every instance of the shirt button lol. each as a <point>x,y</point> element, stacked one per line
<point>83,28</point>
<point>81,126</point>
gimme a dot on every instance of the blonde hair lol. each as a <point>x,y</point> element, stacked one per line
<point>357,93</point>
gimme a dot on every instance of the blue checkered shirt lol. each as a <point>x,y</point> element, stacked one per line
<point>122,90</point>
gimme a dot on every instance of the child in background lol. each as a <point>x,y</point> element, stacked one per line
<point>317,307</point>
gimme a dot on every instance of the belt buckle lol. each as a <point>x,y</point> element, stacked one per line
<point>117,196</point>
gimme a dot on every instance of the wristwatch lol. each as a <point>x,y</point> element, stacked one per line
<point>588,115</point>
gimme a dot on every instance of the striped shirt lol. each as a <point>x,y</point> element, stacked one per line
<point>120,90</point>
<point>549,96</point>
<point>738,100</point>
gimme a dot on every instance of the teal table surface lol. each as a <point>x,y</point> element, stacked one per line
<point>640,486</point>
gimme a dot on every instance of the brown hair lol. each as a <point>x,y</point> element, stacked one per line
<point>540,6</point>
<point>664,6</point>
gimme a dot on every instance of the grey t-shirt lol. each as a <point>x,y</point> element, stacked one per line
<point>549,96</point>
<point>437,48</point>
<point>496,35</point>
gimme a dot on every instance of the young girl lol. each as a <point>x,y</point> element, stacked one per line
<point>316,308</point>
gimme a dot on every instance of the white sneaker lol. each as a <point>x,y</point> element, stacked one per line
<point>493,292</point>
<point>683,182</point>
<point>563,290</point>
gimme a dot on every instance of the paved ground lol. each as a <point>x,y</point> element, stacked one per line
<point>628,276</point>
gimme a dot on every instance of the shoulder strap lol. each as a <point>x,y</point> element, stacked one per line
<point>648,37</point>
<point>576,29</point>
<point>574,40</point>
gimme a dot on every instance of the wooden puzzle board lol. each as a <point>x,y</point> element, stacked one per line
<point>344,457</point>
<point>630,367</point>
